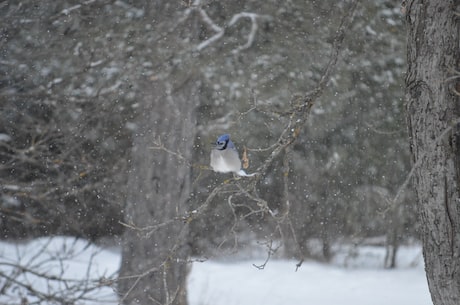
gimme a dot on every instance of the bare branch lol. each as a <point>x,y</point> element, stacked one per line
<point>271,250</point>
<point>49,266</point>
<point>160,146</point>
<point>299,113</point>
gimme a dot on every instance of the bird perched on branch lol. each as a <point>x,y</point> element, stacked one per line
<point>225,158</point>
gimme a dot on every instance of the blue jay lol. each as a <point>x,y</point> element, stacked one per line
<point>224,157</point>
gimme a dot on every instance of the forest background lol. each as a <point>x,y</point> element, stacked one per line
<point>92,92</point>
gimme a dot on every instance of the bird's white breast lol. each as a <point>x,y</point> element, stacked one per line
<point>225,161</point>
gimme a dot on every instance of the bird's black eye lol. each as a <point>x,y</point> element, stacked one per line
<point>221,145</point>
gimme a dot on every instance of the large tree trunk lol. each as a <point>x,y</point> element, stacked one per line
<point>433,112</point>
<point>154,258</point>
<point>155,247</point>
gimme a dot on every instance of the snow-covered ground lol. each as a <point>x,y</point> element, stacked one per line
<point>356,279</point>
<point>240,283</point>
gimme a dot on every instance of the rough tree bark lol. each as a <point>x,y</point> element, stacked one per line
<point>433,113</point>
<point>155,250</point>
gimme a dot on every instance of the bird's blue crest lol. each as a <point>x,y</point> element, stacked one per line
<point>223,138</point>
<point>224,142</point>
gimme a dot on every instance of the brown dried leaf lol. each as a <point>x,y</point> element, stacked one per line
<point>245,158</point>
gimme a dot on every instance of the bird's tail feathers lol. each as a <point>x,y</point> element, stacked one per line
<point>242,173</point>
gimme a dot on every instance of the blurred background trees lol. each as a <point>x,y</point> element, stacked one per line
<point>66,101</point>
<point>76,81</point>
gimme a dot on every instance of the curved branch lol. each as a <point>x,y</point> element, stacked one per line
<point>299,114</point>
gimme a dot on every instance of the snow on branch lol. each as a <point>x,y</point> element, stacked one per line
<point>220,31</point>
<point>252,33</point>
<point>68,10</point>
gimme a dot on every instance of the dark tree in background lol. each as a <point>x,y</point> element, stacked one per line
<point>66,101</point>
<point>433,113</point>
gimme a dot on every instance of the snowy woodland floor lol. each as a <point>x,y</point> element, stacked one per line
<point>357,279</point>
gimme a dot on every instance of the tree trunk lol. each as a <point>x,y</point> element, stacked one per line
<point>433,112</point>
<point>154,259</point>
